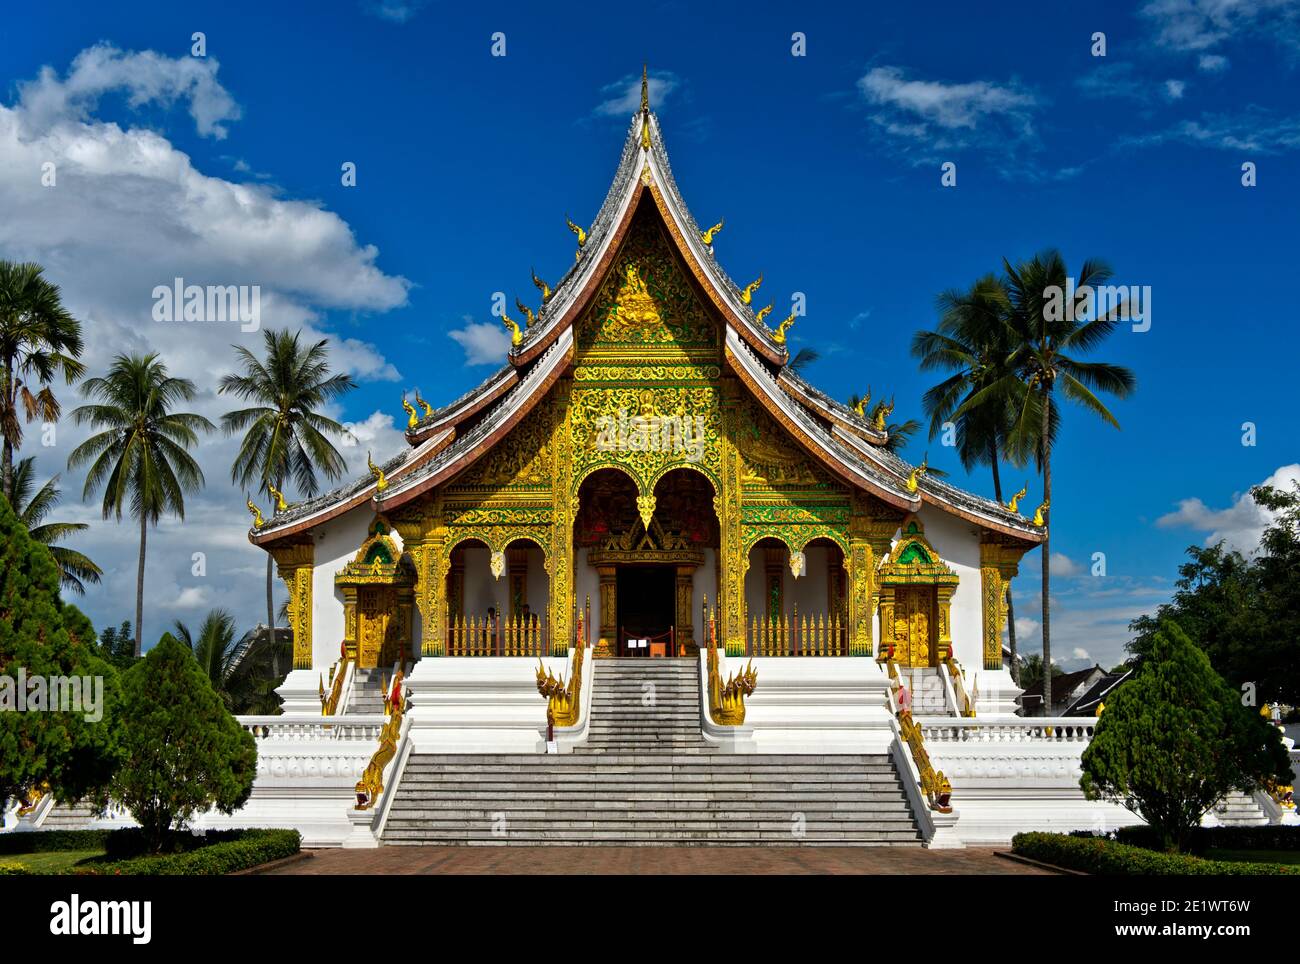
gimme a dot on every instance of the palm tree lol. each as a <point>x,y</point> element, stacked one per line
<point>802,359</point>
<point>39,341</point>
<point>141,455</point>
<point>214,648</point>
<point>75,569</point>
<point>240,674</point>
<point>1048,336</point>
<point>284,433</point>
<point>974,342</point>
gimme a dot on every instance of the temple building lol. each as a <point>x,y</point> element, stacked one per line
<point>645,498</point>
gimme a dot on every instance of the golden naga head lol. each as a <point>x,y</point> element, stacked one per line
<point>411,417</point>
<point>530,318</point>
<point>707,236</point>
<point>747,295</point>
<point>582,234</point>
<point>913,480</point>
<point>1039,518</point>
<point>762,313</point>
<point>542,286</point>
<point>516,333</point>
<point>258,521</point>
<point>279,503</point>
<point>1014,504</point>
<point>883,411</point>
<point>860,409</point>
<point>381,480</point>
<point>428,409</point>
<point>778,336</point>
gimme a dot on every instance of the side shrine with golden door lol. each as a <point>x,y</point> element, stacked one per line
<point>646,478</point>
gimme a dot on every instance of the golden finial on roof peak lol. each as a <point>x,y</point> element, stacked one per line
<point>645,89</point>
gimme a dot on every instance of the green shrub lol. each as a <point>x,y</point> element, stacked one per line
<point>1097,855</point>
<point>184,752</point>
<point>1219,838</point>
<point>217,852</point>
<point>10,869</point>
<point>47,841</point>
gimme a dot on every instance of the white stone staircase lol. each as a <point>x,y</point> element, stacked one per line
<point>647,777</point>
<point>927,688</point>
<point>1238,809</point>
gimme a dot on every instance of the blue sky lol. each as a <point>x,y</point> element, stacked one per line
<point>226,169</point>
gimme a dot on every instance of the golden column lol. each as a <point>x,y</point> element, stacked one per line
<point>294,564</point>
<point>564,506</point>
<point>686,611</point>
<point>999,563</point>
<point>424,539</point>
<point>727,506</point>
<point>869,540</point>
<point>607,643</point>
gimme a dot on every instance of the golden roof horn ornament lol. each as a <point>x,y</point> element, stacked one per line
<point>762,313</point>
<point>883,411</point>
<point>278,496</point>
<point>428,409</point>
<point>542,286</point>
<point>581,233</point>
<point>1014,504</point>
<point>860,409</point>
<point>778,336</point>
<point>527,312</point>
<point>258,521</point>
<point>1039,519</point>
<point>747,295</point>
<point>516,334</point>
<point>381,480</point>
<point>411,418</point>
<point>913,480</point>
<point>707,236</point>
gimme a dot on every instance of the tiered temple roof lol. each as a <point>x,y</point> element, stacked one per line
<point>448,440</point>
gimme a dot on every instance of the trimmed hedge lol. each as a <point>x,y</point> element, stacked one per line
<point>1219,838</point>
<point>47,841</point>
<point>10,869</point>
<point>1097,855</point>
<point>234,850</point>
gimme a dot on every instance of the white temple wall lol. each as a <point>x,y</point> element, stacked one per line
<point>808,592</point>
<point>958,545</point>
<point>337,542</point>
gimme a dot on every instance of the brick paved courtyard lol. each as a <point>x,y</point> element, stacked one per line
<point>655,860</point>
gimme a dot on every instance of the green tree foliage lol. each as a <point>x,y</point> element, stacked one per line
<point>184,752</point>
<point>1174,739</point>
<point>117,645</point>
<point>1245,613</point>
<point>32,506</point>
<point>245,680</point>
<point>45,637</point>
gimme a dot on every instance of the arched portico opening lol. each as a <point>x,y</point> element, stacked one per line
<point>497,599</point>
<point>648,558</point>
<point>796,599</point>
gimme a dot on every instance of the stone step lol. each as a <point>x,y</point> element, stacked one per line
<point>623,838</point>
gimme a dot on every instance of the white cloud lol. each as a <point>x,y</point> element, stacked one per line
<point>394,11</point>
<point>1240,525</point>
<point>1026,627</point>
<point>1212,63</point>
<point>1064,566</point>
<point>128,212</point>
<point>925,117</point>
<point>1174,89</point>
<point>1197,25</point>
<point>623,97</point>
<point>1079,653</point>
<point>484,343</point>
<point>377,434</point>
<point>146,78</point>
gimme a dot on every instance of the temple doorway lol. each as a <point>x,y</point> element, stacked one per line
<point>646,607</point>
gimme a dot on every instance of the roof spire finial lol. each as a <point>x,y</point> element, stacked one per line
<point>645,90</point>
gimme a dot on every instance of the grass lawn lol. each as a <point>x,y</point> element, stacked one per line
<point>53,862</point>
<point>1255,856</point>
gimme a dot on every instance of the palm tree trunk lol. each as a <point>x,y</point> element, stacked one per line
<point>1047,559</point>
<point>10,400</point>
<point>1011,612</point>
<point>139,589</point>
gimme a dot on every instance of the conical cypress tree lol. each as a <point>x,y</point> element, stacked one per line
<point>1175,738</point>
<point>43,739</point>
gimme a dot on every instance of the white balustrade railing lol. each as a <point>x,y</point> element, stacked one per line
<point>1039,730</point>
<point>309,729</point>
